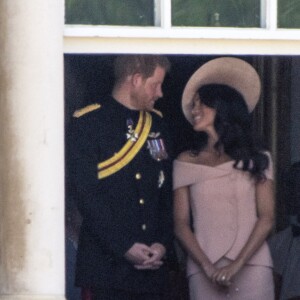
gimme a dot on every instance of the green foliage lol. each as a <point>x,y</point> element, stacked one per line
<point>110,12</point>
<point>225,13</point>
<point>289,13</point>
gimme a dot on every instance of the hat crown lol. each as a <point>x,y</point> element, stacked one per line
<point>230,71</point>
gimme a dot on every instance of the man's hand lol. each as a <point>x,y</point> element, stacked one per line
<point>138,253</point>
<point>154,260</point>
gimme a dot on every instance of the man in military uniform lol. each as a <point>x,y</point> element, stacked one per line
<point>120,168</point>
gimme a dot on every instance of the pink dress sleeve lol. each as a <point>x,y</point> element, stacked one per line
<point>183,174</point>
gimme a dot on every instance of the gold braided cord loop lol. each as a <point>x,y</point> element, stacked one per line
<point>129,150</point>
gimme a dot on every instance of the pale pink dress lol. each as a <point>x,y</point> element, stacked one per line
<point>223,207</point>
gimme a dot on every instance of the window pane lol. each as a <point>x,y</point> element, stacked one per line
<point>110,12</point>
<point>289,13</point>
<point>223,13</point>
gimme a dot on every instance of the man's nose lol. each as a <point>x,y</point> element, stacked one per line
<point>159,92</point>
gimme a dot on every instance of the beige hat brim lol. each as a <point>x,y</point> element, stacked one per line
<point>230,71</point>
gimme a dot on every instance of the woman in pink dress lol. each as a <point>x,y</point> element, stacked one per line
<point>223,194</point>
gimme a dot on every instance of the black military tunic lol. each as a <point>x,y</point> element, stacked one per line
<point>132,205</point>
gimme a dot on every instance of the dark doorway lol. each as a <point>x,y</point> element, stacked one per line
<point>88,78</point>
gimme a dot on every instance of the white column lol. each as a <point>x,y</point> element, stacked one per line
<point>31,150</point>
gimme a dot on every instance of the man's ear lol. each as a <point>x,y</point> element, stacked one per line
<point>136,79</point>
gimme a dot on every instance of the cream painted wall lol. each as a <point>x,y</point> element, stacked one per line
<point>252,46</point>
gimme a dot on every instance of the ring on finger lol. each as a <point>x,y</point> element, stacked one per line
<point>223,278</point>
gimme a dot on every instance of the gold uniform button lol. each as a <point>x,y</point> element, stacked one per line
<point>138,176</point>
<point>144,227</point>
<point>142,201</point>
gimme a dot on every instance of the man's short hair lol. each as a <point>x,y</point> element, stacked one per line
<point>125,65</point>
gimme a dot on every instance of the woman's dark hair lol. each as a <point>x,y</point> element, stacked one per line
<point>233,125</point>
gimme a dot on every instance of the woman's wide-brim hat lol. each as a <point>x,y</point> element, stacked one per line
<point>230,71</point>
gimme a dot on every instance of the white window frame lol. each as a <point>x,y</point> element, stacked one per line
<point>167,39</point>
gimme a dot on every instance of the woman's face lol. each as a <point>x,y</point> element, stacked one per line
<point>203,115</point>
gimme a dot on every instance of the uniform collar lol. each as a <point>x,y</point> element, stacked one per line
<point>122,108</point>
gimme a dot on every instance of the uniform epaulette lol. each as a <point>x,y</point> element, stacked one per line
<point>80,112</point>
<point>158,112</point>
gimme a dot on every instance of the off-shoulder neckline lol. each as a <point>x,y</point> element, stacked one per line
<point>202,165</point>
